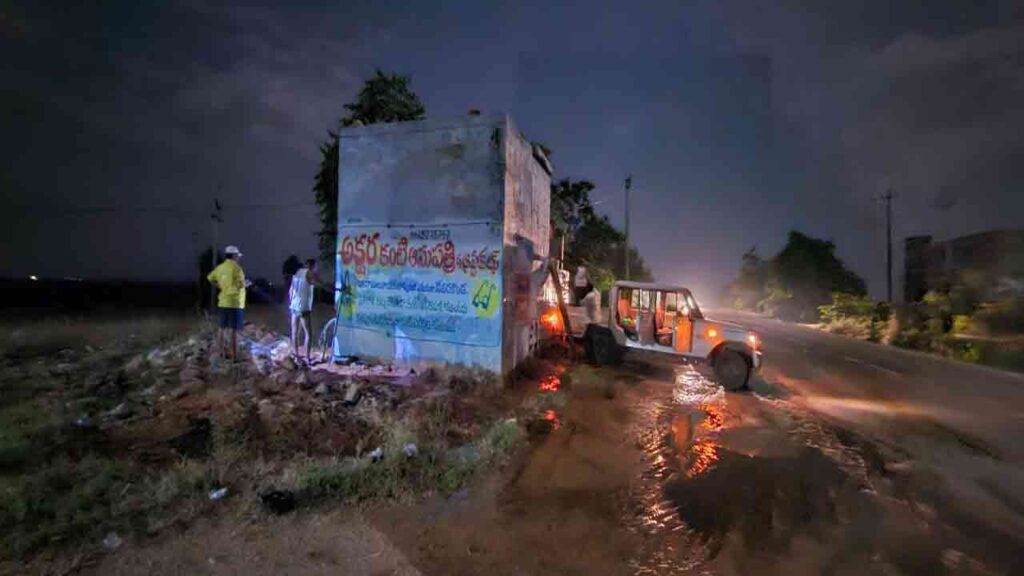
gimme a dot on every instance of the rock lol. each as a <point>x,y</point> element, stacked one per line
<point>352,393</point>
<point>288,364</point>
<point>112,541</point>
<point>120,411</point>
<point>179,392</point>
<point>134,365</point>
<point>322,389</point>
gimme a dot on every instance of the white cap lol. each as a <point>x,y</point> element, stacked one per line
<point>233,250</point>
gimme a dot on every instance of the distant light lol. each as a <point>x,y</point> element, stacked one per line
<point>33,278</point>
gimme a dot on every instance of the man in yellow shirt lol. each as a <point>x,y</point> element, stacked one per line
<point>230,281</point>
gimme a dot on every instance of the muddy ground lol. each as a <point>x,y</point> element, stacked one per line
<point>647,468</point>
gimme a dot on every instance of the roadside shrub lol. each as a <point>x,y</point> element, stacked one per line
<point>1004,317</point>
<point>856,317</point>
<point>848,306</point>
<point>860,328</point>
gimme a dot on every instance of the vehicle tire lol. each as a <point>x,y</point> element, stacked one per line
<point>731,370</point>
<point>601,347</point>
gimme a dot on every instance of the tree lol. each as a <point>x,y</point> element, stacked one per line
<point>591,240</point>
<point>801,277</point>
<point>751,285</point>
<point>383,98</point>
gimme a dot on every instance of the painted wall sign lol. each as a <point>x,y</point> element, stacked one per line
<point>440,284</point>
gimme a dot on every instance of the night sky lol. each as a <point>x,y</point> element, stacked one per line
<point>739,121</point>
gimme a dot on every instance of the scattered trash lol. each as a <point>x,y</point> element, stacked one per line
<point>219,493</point>
<point>377,455</point>
<point>120,411</point>
<point>83,422</point>
<point>278,501</point>
<point>112,541</point>
<point>410,450</point>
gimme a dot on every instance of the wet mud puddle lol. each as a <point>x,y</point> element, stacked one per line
<point>727,485</point>
<point>732,483</point>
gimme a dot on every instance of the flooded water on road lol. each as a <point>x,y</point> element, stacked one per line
<point>734,483</point>
<point>654,469</point>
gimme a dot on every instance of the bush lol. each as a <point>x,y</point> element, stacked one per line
<point>860,328</point>
<point>1002,317</point>
<point>848,306</point>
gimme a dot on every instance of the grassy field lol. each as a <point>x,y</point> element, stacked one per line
<point>121,424</point>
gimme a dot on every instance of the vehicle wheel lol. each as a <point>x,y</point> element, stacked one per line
<point>601,347</point>
<point>731,370</point>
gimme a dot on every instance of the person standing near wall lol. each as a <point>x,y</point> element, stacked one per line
<point>229,278</point>
<point>300,304</point>
<point>581,285</point>
<point>288,269</point>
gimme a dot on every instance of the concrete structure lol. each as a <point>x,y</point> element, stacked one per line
<point>995,259</point>
<point>441,228</point>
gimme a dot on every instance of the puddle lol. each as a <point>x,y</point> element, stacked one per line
<point>696,493</point>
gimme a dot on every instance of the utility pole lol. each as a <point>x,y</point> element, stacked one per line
<point>889,244</point>
<point>629,184</point>
<point>215,219</point>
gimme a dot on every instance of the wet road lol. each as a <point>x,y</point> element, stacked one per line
<point>843,458</point>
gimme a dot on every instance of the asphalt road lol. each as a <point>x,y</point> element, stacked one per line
<point>943,436</point>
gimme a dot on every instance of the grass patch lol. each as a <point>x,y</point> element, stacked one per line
<point>401,476</point>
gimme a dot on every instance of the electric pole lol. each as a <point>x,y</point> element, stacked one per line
<point>889,244</point>
<point>629,184</point>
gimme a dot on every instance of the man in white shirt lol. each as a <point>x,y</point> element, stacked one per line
<point>300,304</point>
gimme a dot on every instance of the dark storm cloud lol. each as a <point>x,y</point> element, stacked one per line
<point>738,120</point>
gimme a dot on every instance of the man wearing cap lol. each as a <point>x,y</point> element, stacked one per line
<point>230,281</point>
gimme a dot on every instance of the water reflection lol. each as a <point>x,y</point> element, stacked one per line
<point>552,417</point>
<point>550,383</point>
<point>681,445</point>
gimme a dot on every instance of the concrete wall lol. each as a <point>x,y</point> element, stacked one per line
<point>993,258</point>
<point>427,214</point>
<point>527,231</point>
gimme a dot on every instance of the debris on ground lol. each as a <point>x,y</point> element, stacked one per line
<point>218,494</point>
<point>112,541</point>
<point>172,422</point>
<point>278,501</point>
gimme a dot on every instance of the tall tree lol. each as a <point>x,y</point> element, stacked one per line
<point>799,279</point>
<point>383,98</point>
<point>591,240</point>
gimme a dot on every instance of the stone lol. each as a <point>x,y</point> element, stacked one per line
<point>322,389</point>
<point>352,393</point>
<point>120,411</point>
